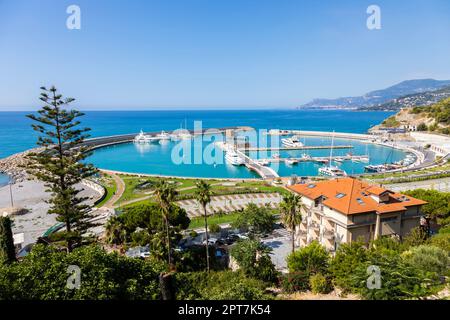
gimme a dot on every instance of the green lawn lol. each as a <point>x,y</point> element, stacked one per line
<point>186,187</point>
<point>110,187</point>
<point>199,222</point>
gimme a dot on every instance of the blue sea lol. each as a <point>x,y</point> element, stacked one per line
<point>16,135</point>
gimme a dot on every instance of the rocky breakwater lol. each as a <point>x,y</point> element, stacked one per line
<point>15,165</point>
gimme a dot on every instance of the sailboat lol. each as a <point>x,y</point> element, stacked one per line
<point>182,134</point>
<point>330,170</point>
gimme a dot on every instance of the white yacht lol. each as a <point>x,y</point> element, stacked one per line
<point>332,171</point>
<point>292,142</point>
<point>263,162</point>
<point>233,158</point>
<point>291,161</point>
<point>142,138</point>
<point>306,156</point>
<point>163,136</point>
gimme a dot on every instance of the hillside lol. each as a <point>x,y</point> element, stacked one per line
<point>379,97</point>
<point>412,100</point>
<point>433,118</point>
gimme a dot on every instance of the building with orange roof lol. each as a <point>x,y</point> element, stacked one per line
<point>346,209</point>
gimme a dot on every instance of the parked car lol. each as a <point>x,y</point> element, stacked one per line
<point>211,241</point>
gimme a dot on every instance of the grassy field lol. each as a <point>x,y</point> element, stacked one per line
<point>110,187</point>
<point>186,188</point>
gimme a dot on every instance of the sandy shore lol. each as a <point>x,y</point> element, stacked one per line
<point>32,196</point>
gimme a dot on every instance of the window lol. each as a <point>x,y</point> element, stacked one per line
<point>310,186</point>
<point>340,195</point>
<point>359,200</point>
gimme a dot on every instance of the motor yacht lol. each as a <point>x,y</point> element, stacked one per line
<point>142,138</point>
<point>332,171</point>
<point>292,142</point>
<point>232,157</point>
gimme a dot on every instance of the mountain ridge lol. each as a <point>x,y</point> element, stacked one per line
<point>378,97</point>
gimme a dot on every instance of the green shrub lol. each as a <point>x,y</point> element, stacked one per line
<point>348,257</point>
<point>42,275</point>
<point>311,259</point>
<point>422,127</point>
<point>253,258</point>
<point>441,240</point>
<point>256,220</point>
<point>193,233</point>
<point>294,282</point>
<point>398,280</point>
<point>214,228</point>
<point>320,284</point>
<point>223,285</point>
<point>428,259</point>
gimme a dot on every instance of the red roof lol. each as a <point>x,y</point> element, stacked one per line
<point>353,196</point>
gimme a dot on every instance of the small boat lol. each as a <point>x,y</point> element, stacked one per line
<point>276,156</point>
<point>264,162</point>
<point>292,142</point>
<point>306,156</point>
<point>339,160</point>
<point>163,136</point>
<point>332,171</point>
<point>375,168</point>
<point>291,161</point>
<point>142,138</point>
<point>233,158</point>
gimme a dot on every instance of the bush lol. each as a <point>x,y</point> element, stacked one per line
<point>193,233</point>
<point>422,127</point>
<point>214,228</point>
<point>42,275</point>
<point>441,240</point>
<point>348,257</point>
<point>294,282</point>
<point>223,285</point>
<point>320,284</point>
<point>398,280</point>
<point>428,259</point>
<point>253,258</point>
<point>255,220</point>
<point>416,237</point>
<point>311,259</point>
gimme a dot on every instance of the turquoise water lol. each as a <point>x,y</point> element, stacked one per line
<point>3,180</point>
<point>159,159</point>
<point>16,135</point>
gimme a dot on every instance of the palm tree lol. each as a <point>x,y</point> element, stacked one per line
<point>165,194</point>
<point>291,208</point>
<point>203,196</point>
<point>115,232</point>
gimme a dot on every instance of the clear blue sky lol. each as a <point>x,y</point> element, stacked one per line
<point>216,53</point>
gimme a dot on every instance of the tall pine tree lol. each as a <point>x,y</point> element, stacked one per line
<point>59,162</point>
<point>7,250</point>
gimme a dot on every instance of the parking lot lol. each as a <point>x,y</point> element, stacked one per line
<point>279,240</point>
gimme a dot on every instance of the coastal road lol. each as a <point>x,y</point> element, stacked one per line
<point>434,184</point>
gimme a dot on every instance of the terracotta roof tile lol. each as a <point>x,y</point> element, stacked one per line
<point>353,196</point>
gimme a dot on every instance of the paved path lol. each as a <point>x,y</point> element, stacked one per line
<point>32,196</point>
<point>230,203</point>
<point>435,184</point>
<point>120,189</point>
